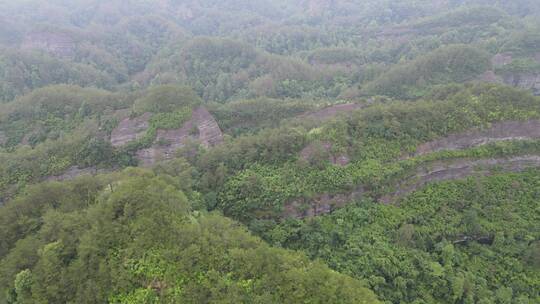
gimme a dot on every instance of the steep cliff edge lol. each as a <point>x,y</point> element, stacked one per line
<point>130,129</point>
<point>56,43</point>
<point>201,128</point>
<point>502,131</point>
<point>523,72</point>
<point>458,169</point>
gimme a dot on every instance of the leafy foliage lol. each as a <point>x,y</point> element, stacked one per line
<point>442,66</point>
<point>448,243</point>
<point>87,240</point>
<point>71,71</point>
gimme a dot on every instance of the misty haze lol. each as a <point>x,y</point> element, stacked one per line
<point>270,151</point>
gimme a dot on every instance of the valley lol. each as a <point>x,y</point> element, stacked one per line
<point>270,151</point>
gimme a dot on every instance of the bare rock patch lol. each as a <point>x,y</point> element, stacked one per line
<point>526,81</point>
<point>332,111</point>
<point>311,151</point>
<point>56,43</point>
<point>130,129</point>
<point>201,128</point>
<point>320,204</point>
<point>458,169</point>
<point>3,138</point>
<point>501,131</point>
<point>490,77</point>
<point>501,59</point>
<point>74,172</point>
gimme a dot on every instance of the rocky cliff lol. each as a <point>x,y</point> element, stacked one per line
<point>58,44</point>
<point>320,204</point>
<point>201,128</point>
<point>527,81</point>
<point>523,80</point>
<point>502,131</point>
<point>130,129</point>
<point>458,169</point>
<point>331,111</point>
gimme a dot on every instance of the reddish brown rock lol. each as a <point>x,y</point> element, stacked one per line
<point>75,172</point>
<point>537,57</point>
<point>318,7</point>
<point>25,141</point>
<point>130,129</point>
<point>458,169</point>
<point>524,81</point>
<point>491,77</point>
<point>310,151</point>
<point>332,111</point>
<point>185,13</point>
<point>3,138</point>
<point>209,132</point>
<point>201,128</point>
<point>320,204</point>
<point>502,131</point>
<point>147,157</point>
<point>502,59</point>
<point>56,43</point>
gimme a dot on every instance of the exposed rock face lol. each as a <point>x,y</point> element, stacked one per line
<point>502,59</point>
<point>75,172</point>
<point>202,128</point>
<point>491,77</point>
<point>309,152</point>
<point>185,13</point>
<point>209,132</point>
<point>459,169</point>
<point>332,111</point>
<point>318,7</point>
<point>25,141</point>
<point>397,34</point>
<point>321,204</point>
<point>502,131</point>
<point>130,129</point>
<point>59,44</point>
<point>3,138</point>
<point>524,81</point>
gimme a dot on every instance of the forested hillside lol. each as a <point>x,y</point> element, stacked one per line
<point>310,151</point>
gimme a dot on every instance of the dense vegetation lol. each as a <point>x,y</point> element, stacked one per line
<point>86,240</point>
<point>373,139</point>
<point>471,241</point>
<point>295,124</point>
<point>235,50</point>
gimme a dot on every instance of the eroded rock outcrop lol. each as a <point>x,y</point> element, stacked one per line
<point>201,128</point>
<point>312,151</point>
<point>522,80</point>
<point>458,169</point>
<point>501,59</point>
<point>491,77</point>
<point>526,81</point>
<point>318,7</point>
<point>320,204</point>
<point>75,172</point>
<point>332,111</point>
<point>130,129</point>
<point>3,138</point>
<point>419,178</point>
<point>57,43</point>
<point>502,131</point>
